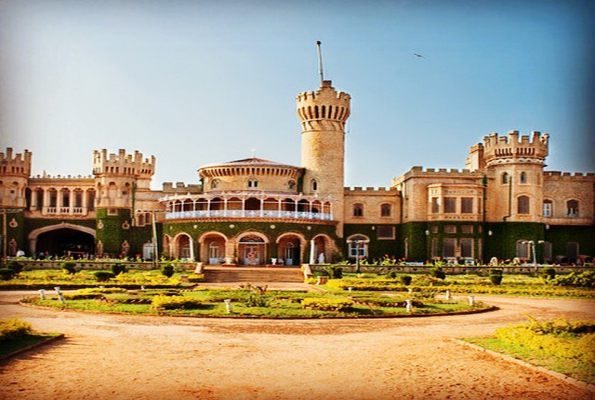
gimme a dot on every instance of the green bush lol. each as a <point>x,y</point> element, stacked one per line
<point>495,271</point>
<point>406,279</point>
<point>168,270</point>
<point>496,279</point>
<point>175,302</point>
<point>6,274</point>
<point>118,269</point>
<point>12,328</point>
<point>328,304</point>
<point>103,276</point>
<point>549,273</point>
<point>438,272</point>
<point>16,266</point>
<point>69,267</point>
<point>391,275</point>
<point>585,279</point>
<point>335,272</point>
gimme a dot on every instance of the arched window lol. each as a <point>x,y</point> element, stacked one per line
<point>385,210</point>
<point>572,208</point>
<point>141,220</point>
<point>523,177</point>
<point>523,205</point>
<point>291,185</point>
<point>252,183</point>
<point>358,210</point>
<point>214,183</point>
<point>358,245</point>
<point>505,178</point>
<point>314,185</point>
<point>548,208</point>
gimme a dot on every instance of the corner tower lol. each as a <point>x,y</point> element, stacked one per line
<point>323,114</point>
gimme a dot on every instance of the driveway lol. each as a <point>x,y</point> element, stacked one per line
<point>137,357</point>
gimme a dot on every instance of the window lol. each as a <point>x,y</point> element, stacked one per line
<point>314,185</point>
<point>434,248</point>
<point>385,232</point>
<point>505,178</point>
<point>385,210</point>
<point>141,220</point>
<point>434,228</point>
<point>53,198</point>
<point>91,199</point>
<point>450,205</point>
<point>450,229</point>
<point>252,183</point>
<point>547,251</point>
<point>523,205</point>
<point>435,205</point>
<point>214,183</point>
<point>467,205</point>
<point>523,177</point>
<point>358,245</point>
<point>466,248</point>
<point>78,198</point>
<point>548,208</point>
<point>572,208</point>
<point>449,248</point>
<point>112,211</point>
<point>291,185</point>
<point>467,229</point>
<point>358,210</point>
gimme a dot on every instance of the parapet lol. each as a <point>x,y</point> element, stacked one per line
<point>578,176</point>
<point>509,149</point>
<point>325,103</point>
<point>123,164</point>
<point>180,188</point>
<point>18,164</point>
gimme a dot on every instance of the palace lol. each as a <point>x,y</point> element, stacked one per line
<point>256,212</point>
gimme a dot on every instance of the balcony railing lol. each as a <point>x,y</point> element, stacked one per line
<point>248,214</point>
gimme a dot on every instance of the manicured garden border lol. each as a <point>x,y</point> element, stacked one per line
<point>566,378</point>
<point>443,314</point>
<point>49,340</point>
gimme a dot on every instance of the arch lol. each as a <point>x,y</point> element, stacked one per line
<point>34,234</point>
<point>385,210</point>
<point>243,235</point>
<point>504,178</point>
<point>358,210</point>
<point>202,237</point>
<point>301,237</point>
<point>252,248</point>
<point>357,245</point>
<point>183,246</point>
<point>572,208</point>
<point>523,177</point>
<point>523,205</point>
<point>213,247</point>
<point>290,248</point>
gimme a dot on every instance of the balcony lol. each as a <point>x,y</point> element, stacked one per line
<point>249,214</point>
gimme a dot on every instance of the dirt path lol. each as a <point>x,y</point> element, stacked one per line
<point>135,357</point>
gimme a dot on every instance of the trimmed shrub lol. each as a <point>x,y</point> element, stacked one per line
<point>69,267</point>
<point>118,269</point>
<point>103,276</point>
<point>391,275</point>
<point>13,328</point>
<point>496,279</point>
<point>16,266</point>
<point>326,304</point>
<point>6,274</point>
<point>335,272</point>
<point>585,279</point>
<point>175,302</point>
<point>549,273</point>
<point>168,270</point>
<point>438,272</point>
<point>496,271</point>
<point>406,279</point>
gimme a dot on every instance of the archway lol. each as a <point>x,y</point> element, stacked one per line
<point>183,247</point>
<point>290,248</point>
<point>212,248</point>
<point>252,249</point>
<point>65,242</point>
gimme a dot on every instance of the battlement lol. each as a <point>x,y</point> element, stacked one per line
<point>506,149</point>
<point>324,103</point>
<point>123,164</point>
<point>18,164</point>
<point>61,177</point>
<point>359,189</point>
<point>180,187</point>
<point>568,175</point>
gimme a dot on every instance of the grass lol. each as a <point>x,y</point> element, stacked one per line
<point>281,304</point>
<point>8,347</point>
<point>570,367</point>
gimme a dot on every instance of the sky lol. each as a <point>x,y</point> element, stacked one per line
<point>201,82</point>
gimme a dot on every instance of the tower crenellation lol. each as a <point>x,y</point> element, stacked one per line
<point>324,108</point>
<point>513,148</point>
<point>18,164</point>
<point>122,164</point>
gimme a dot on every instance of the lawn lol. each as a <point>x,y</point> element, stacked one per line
<point>250,302</point>
<point>13,345</point>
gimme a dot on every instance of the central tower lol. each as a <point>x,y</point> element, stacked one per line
<point>323,114</point>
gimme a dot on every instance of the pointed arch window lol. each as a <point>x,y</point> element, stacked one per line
<point>548,208</point>
<point>358,210</point>
<point>523,177</point>
<point>572,209</point>
<point>385,210</point>
<point>314,185</point>
<point>505,178</point>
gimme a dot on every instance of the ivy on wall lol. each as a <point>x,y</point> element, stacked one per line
<point>377,248</point>
<point>15,229</point>
<point>110,229</point>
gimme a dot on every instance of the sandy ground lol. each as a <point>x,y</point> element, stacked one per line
<point>135,357</point>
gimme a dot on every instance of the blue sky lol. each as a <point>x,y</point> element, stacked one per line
<point>199,82</point>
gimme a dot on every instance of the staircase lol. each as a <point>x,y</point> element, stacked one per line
<point>252,275</point>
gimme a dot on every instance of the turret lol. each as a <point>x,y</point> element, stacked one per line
<point>118,175</point>
<point>323,114</point>
<point>15,170</point>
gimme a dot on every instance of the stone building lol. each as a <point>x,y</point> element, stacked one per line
<point>255,212</point>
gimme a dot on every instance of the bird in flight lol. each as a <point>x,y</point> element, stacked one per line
<point>417,55</point>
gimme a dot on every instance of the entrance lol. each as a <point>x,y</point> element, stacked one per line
<point>289,250</point>
<point>252,250</point>
<point>65,242</point>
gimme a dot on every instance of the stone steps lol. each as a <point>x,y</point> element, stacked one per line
<point>252,275</point>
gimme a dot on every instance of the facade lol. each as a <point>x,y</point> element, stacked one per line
<point>256,212</point>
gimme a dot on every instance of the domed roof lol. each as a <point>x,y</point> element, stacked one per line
<point>253,161</point>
